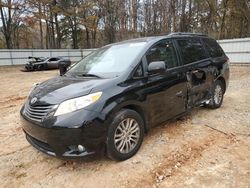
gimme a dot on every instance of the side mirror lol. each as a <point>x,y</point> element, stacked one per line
<point>157,67</point>
<point>63,65</point>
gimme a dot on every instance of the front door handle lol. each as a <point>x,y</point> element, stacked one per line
<point>195,71</point>
<point>179,94</point>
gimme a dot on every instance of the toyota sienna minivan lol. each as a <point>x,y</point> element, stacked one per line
<point>111,98</point>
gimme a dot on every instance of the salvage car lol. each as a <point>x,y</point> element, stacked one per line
<point>111,98</point>
<point>43,63</point>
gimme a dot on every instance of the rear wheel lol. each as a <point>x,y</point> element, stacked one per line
<point>125,135</point>
<point>217,95</point>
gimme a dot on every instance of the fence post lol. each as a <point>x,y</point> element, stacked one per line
<point>11,58</point>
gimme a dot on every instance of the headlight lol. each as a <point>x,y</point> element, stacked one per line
<point>72,105</point>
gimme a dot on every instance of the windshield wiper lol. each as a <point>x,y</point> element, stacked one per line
<point>89,75</point>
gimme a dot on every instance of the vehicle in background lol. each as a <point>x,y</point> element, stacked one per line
<point>115,95</point>
<point>44,63</point>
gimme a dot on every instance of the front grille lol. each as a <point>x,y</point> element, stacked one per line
<point>37,113</point>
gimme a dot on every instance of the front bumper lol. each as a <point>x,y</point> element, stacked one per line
<point>47,149</point>
<point>60,136</point>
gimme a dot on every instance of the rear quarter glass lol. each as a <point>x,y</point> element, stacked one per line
<point>213,47</point>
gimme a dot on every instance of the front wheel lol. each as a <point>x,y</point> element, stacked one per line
<point>217,95</point>
<point>39,68</point>
<point>125,135</point>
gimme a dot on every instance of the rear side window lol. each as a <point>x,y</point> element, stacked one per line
<point>53,59</point>
<point>191,49</point>
<point>213,47</point>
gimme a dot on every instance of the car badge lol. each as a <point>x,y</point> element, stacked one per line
<point>33,100</point>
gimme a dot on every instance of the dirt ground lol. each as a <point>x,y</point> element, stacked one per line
<point>207,148</point>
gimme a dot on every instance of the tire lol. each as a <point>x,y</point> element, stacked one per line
<point>40,67</point>
<point>29,67</point>
<point>128,129</point>
<point>217,95</point>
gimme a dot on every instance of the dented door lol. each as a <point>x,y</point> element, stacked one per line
<point>199,70</point>
<point>199,83</point>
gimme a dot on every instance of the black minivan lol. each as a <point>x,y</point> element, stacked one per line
<point>109,99</point>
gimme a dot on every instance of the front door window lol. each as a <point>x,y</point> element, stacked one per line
<point>163,51</point>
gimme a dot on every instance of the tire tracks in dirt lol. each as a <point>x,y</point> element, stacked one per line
<point>13,152</point>
<point>12,99</point>
<point>175,160</point>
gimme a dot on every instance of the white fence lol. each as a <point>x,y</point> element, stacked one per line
<point>17,57</point>
<point>238,50</point>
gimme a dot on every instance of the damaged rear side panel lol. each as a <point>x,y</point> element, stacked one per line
<point>204,62</point>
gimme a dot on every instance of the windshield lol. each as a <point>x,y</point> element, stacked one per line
<point>109,61</point>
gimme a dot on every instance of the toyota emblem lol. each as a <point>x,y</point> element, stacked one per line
<point>33,100</point>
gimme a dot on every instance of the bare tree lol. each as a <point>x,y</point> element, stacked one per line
<point>11,15</point>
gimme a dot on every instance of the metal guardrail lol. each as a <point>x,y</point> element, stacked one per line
<point>27,58</point>
<point>236,49</point>
<point>18,57</point>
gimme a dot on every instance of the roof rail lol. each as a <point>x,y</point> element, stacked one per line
<point>186,33</point>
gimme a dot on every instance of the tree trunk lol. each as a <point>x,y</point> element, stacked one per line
<point>222,25</point>
<point>53,41</point>
<point>93,34</point>
<point>173,7</point>
<point>7,25</point>
<point>58,37</point>
<point>40,23</point>
<point>87,37</point>
<point>183,16</point>
<point>134,12</point>
<point>73,27</point>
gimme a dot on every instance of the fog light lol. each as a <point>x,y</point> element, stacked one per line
<point>81,148</point>
<point>207,101</point>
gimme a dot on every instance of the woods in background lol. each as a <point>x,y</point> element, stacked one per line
<point>94,23</point>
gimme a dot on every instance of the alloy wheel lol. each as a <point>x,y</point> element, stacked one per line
<point>127,135</point>
<point>218,94</point>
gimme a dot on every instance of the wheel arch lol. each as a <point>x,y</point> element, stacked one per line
<point>116,106</point>
<point>141,112</point>
<point>220,78</point>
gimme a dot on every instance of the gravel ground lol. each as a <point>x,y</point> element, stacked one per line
<point>207,148</point>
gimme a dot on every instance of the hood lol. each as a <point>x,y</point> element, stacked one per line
<point>59,89</point>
